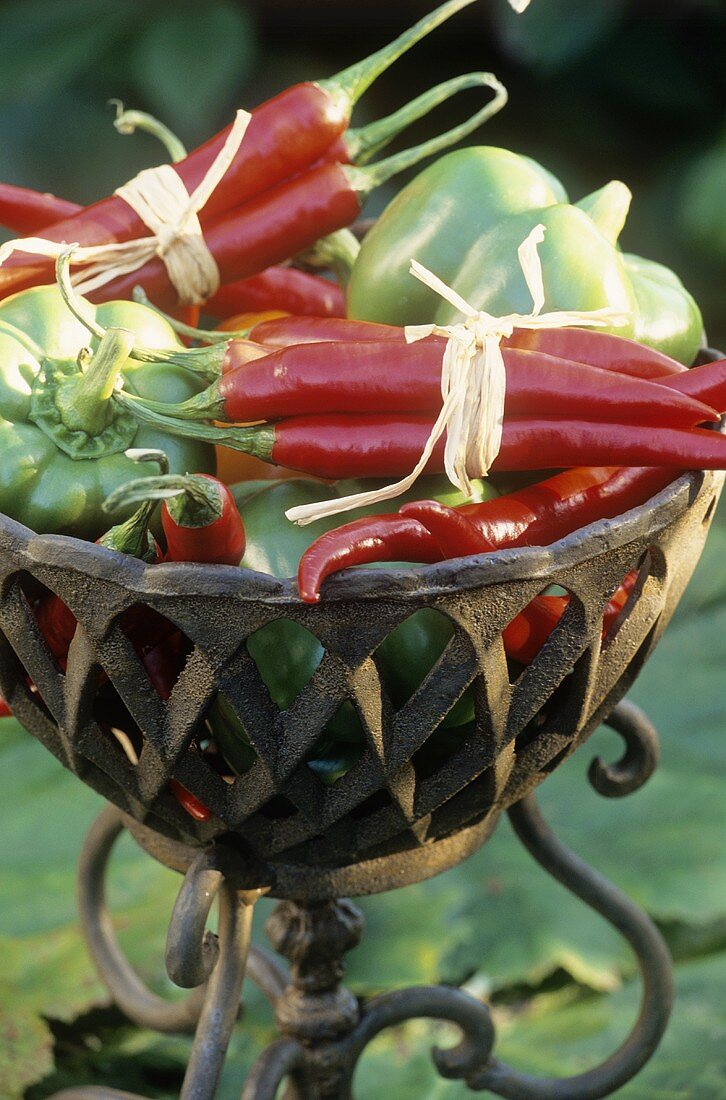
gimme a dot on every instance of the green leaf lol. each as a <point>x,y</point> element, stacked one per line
<point>568,1033</point>
<point>189,68</point>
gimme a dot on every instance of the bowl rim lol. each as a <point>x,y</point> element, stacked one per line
<point>179,579</point>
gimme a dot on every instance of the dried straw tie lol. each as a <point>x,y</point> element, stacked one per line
<point>162,202</point>
<point>473,383</point>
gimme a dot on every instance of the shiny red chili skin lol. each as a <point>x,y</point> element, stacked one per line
<point>363,541</point>
<point>281,332</point>
<point>286,136</point>
<point>219,543</point>
<point>24,211</point>
<point>599,349</point>
<point>541,513</point>
<point>706,383</point>
<point>374,445</point>
<point>284,288</point>
<point>268,229</point>
<point>372,377</point>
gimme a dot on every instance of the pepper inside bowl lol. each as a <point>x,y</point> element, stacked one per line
<point>415,800</point>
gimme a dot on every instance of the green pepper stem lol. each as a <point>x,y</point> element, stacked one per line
<point>364,143</point>
<point>191,500</point>
<point>83,400</point>
<point>128,122</point>
<point>609,208</point>
<point>338,252</point>
<point>365,180</point>
<point>347,87</point>
<point>257,441</point>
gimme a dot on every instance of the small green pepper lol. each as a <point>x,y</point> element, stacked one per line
<point>287,655</point>
<point>62,436</point>
<point>435,220</point>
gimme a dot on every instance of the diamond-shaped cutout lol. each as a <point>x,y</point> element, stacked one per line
<point>340,746</point>
<point>226,738</point>
<point>625,599</point>
<point>529,631</point>
<point>410,653</point>
<point>439,748</point>
<point>287,656</point>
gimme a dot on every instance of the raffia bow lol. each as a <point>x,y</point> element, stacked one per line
<point>163,203</point>
<point>473,382</point>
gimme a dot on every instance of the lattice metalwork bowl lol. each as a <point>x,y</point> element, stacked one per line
<point>402,812</point>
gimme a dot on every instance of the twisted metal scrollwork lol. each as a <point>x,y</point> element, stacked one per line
<point>325,1031</point>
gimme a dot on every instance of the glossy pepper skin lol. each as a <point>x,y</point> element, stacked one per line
<point>41,485</point>
<point>435,220</point>
<point>378,378</point>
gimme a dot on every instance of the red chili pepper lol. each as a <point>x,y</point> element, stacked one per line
<point>284,331</point>
<point>368,377</point>
<point>599,349</point>
<point>55,619</point>
<point>283,288</point>
<point>538,515</point>
<point>364,541</point>
<point>287,135</point>
<point>706,383</point>
<point>334,446</point>
<point>199,515</point>
<point>163,665</point>
<point>5,711</point>
<point>24,211</point>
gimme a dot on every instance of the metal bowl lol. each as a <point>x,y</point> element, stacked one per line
<point>395,817</point>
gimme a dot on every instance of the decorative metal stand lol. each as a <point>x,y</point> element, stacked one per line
<point>325,1029</point>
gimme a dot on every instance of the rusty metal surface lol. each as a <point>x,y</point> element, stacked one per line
<point>389,821</point>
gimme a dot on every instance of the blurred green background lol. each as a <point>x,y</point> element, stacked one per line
<point>599,89</point>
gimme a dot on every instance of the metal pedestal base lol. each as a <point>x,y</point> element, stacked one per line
<point>324,1029</point>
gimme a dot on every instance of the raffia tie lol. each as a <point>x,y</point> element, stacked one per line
<point>473,382</point>
<point>163,203</point>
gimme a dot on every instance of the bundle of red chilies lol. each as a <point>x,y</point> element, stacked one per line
<point>299,174</point>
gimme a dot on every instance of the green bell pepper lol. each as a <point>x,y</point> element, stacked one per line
<point>287,655</point>
<point>435,220</point>
<point>62,436</point>
<point>465,217</point>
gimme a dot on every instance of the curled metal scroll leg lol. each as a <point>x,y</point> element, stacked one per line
<point>651,954</point>
<point>193,957</point>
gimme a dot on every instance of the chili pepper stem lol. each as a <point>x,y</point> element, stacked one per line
<point>128,122</point>
<point>257,441</point>
<point>338,252</point>
<point>202,507</point>
<point>132,537</point>
<point>364,143</point>
<point>84,400</point>
<point>207,336</point>
<point>194,359</point>
<point>347,87</point>
<point>365,180</point>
